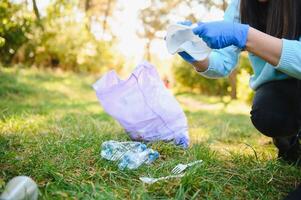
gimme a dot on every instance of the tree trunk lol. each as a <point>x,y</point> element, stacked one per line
<point>233,75</point>
<point>233,84</point>
<point>87,5</point>
<point>37,14</point>
<point>106,15</point>
<point>224,5</point>
<point>87,8</point>
<point>36,10</point>
<point>148,53</point>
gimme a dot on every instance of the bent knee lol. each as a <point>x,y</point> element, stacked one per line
<point>273,124</point>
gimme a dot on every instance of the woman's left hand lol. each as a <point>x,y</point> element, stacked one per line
<point>221,34</point>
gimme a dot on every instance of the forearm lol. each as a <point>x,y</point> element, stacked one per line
<point>202,65</point>
<point>267,47</point>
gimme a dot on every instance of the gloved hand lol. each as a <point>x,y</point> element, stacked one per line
<point>183,54</point>
<point>221,34</point>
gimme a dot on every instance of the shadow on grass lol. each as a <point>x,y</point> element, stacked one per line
<point>222,126</point>
<point>45,77</point>
<point>19,97</point>
<point>10,86</point>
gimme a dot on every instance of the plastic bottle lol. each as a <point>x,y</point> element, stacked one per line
<point>133,160</point>
<point>152,156</point>
<point>20,188</point>
<point>112,150</point>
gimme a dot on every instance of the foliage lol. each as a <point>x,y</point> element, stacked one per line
<point>244,92</point>
<point>99,11</point>
<point>71,49</point>
<point>2,41</point>
<point>51,129</point>
<point>187,78</point>
<point>60,39</point>
<point>15,23</point>
<point>152,25</point>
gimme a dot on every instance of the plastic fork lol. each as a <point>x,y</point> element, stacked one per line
<point>150,180</point>
<point>181,167</point>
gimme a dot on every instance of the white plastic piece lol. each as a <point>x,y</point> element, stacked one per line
<point>150,180</point>
<point>20,188</point>
<point>180,38</point>
<point>181,167</point>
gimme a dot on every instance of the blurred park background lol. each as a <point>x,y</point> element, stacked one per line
<point>93,36</point>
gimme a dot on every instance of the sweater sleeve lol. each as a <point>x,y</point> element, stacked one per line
<point>290,60</point>
<point>223,61</point>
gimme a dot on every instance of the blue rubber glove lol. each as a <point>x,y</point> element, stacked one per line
<point>183,54</point>
<point>221,34</point>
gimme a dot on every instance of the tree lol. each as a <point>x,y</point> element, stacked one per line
<point>2,41</point>
<point>13,32</point>
<point>222,5</point>
<point>233,75</point>
<point>154,19</point>
<point>107,12</point>
<point>99,10</point>
<point>36,10</point>
<point>187,79</point>
<point>87,5</point>
<point>74,48</point>
<point>37,14</point>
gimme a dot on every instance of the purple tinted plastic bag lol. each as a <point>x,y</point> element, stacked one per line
<point>143,106</point>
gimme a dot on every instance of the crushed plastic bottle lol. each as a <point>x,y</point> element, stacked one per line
<point>134,160</point>
<point>113,150</point>
<point>20,188</point>
<point>130,155</point>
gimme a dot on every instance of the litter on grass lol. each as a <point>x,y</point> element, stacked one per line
<point>20,188</point>
<point>130,155</point>
<point>176,172</point>
<point>149,180</point>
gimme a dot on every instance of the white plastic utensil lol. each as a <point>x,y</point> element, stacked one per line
<point>181,167</point>
<point>150,180</point>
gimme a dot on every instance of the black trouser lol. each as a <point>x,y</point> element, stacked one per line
<point>276,110</point>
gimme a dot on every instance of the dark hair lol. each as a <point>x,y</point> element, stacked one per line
<point>279,18</point>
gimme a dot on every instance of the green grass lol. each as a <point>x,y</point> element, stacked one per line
<point>52,127</point>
